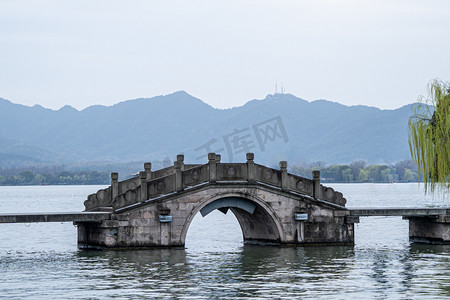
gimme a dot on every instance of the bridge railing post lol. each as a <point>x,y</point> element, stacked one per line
<point>317,189</point>
<point>114,185</point>
<point>180,159</point>
<point>148,170</point>
<point>212,167</point>
<point>250,168</point>
<point>177,165</point>
<point>143,183</point>
<point>284,176</point>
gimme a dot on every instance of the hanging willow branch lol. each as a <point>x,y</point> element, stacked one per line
<point>429,136</point>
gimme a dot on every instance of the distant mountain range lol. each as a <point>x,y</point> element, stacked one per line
<point>279,127</point>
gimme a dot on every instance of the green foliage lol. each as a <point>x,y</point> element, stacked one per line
<point>408,175</point>
<point>27,177</point>
<point>347,175</point>
<point>61,178</point>
<point>363,176</point>
<point>429,136</point>
<point>386,175</point>
<point>403,171</point>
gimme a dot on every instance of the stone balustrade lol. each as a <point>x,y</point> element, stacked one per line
<point>150,185</point>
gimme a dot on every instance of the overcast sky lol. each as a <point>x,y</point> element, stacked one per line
<point>80,53</point>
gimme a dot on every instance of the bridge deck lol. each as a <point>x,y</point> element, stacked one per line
<point>54,217</point>
<point>405,212</point>
<point>98,216</point>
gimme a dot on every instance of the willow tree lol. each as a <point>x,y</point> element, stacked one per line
<point>429,136</point>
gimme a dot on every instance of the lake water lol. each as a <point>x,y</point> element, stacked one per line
<point>41,261</point>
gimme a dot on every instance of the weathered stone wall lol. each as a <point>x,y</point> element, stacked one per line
<point>429,229</point>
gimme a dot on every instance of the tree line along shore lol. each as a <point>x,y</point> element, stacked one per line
<point>360,172</point>
<point>60,178</point>
<point>356,172</point>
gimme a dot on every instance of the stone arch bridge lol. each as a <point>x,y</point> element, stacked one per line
<point>271,206</point>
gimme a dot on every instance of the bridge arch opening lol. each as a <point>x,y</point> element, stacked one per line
<point>214,232</point>
<point>258,224</point>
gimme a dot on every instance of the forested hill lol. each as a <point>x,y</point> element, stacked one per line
<point>279,127</point>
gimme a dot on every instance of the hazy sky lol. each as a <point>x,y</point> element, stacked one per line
<point>377,53</point>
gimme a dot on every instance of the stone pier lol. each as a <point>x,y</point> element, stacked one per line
<point>426,225</point>
<point>430,229</point>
